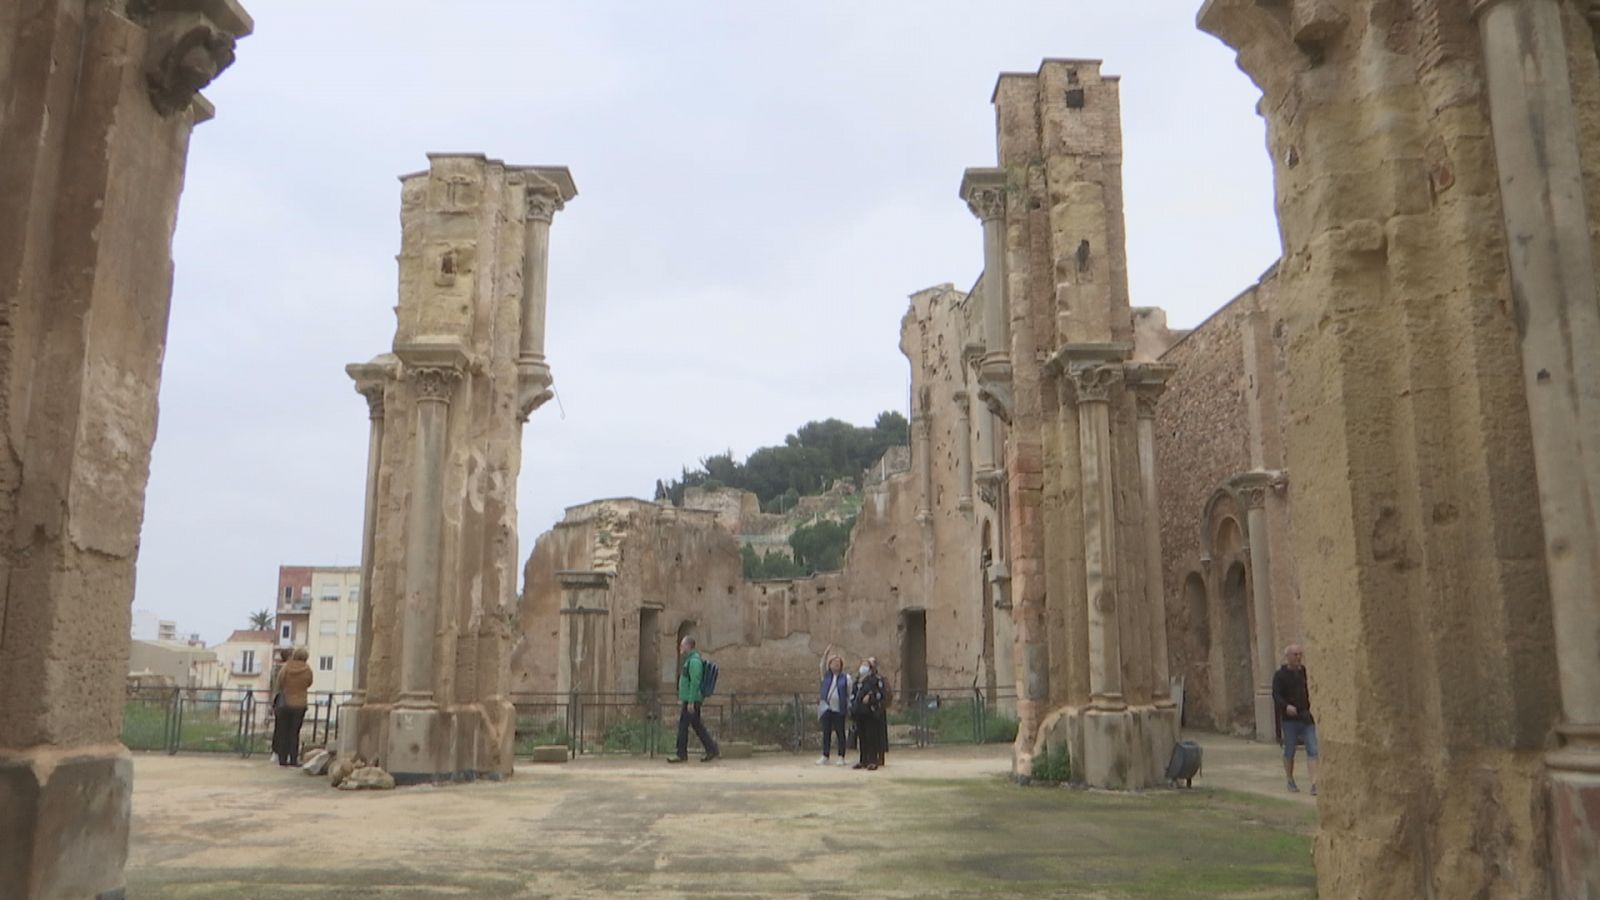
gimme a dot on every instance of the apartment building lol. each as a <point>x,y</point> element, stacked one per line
<point>319,609</point>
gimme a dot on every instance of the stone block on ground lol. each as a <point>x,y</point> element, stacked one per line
<point>317,764</point>
<point>550,753</point>
<point>341,768</point>
<point>368,778</point>
<point>737,750</point>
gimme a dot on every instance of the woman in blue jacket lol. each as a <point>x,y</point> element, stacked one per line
<point>833,706</point>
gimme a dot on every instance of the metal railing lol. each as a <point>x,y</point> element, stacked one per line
<point>218,720</point>
<point>645,724</point>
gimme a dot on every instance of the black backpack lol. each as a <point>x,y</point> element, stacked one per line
<point>708,677</point>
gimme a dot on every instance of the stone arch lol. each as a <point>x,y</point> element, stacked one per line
<point>1197,612</point>
<point>1236,709</point>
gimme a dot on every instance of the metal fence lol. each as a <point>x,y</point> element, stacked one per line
<point>647,725</point>
<point>217,720</point>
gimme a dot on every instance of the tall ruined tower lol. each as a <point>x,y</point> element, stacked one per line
<point>439,552</point>
<point>1078,446</point>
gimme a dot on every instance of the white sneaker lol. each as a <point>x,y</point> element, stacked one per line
<point>840,762</point>
<point>822,760</point>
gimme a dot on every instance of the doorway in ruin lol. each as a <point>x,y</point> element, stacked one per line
<point>914,652</point>
<point>1197,699</point>
<point>649,652</point>
<point>1239,699</point>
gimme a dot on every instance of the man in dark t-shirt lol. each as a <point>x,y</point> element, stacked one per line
<point>1291,698</point>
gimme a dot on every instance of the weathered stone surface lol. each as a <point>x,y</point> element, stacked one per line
<point>553,753</point>
<point>367,778</point>
<point>317,763</point>
<point>92,155</point>
<point>467,368</point>
<point>341,767</point>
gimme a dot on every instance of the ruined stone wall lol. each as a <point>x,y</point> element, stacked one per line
<point>1417,531</point>
<point>97,103</point>
<point>912,562</point>
<point>1202,440</point>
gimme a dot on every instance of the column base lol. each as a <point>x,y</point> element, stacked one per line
<point>430,746</point>
<point>1125,749</point>
<point>64,821</point>
<point>349,716</point>
<point>1266,727</point>
<point>1575,833</point>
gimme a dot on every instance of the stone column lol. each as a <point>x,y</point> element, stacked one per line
<point>543,201</point>
<point>432,386</point>
<point>100,101</point>
<point>1093,384</point>
<point>1552,264</point>
<point>1149,383</point>
<point>985,193</point>
<point>963,451</point>
<point>371,379</point>
<point>921,434</point>
<point>1252,488</point>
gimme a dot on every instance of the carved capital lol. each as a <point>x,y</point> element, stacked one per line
<point>963,402</point>
<point>1148,382</point>
<point>543,205</point>
<point>994,385</point>
<point>188,44</point>
<point>988,482</point>
<point>1094,383</point>
<point>374,395</point>
<point>984,190</point>
<point>1253,488</point>
<point>434,384</point>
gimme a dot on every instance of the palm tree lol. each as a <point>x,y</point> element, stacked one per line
<point>261,620</point>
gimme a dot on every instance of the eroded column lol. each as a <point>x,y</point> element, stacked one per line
<point>1150,381</point>
<point>1093,384</point>
<point>1252,488</point>
<point>433,386</point>
<point>371,379</point>
<point>1552,264</point>
<point>964,451</point>
<point>544,199</point>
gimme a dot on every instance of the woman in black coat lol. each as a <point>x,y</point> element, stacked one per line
<point>866,708</point>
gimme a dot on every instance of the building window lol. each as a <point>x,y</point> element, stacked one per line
<point>305,592</point>
<point>350,628</point>
<point>355,594</point>
<point>286,631</point>
<point>288,592</point>
<point>349,663</point>
<point>329,626</point>
<point>247,662</point>
<point>325,664</point>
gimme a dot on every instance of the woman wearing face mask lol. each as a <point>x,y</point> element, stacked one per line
<point>832,708</point>
<point>866,707</point>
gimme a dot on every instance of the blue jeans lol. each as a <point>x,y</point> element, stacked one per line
<point>832,724</point>
<point>1294,732</point>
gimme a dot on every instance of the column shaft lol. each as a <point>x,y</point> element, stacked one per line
<point>1099,537</point>
<point>1155,596</point>
<point>964,450</point>
<point>369,530</point>
<point>996,325</point>
<point>535,285</point>
<point>424,528</point>
<point>1261,601</point>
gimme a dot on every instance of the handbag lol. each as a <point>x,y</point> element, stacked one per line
<point>277,701</point>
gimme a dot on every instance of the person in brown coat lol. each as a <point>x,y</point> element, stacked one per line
<point>294,682</point>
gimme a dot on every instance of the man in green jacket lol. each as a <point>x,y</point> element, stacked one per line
<point>689,696</point>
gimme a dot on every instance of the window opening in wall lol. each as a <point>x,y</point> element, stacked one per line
<point>286,632</point>
<point>1075,98</point>
<point>325,664</point>
<point>247,662</point>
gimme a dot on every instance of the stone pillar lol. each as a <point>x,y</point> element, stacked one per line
<point>963,451</point>
<point>544,200</point>
<point>922,456</point>
<point>1418,544</point>
<point>371,380</point>
<point>99,107</point>
<point>985,193</point>
<point>585,666</point>
<point>1252,489</point>
<point>1148,382</point>
<point>432,386</point>
<point>1551,257</point>
<point>1093,385</point>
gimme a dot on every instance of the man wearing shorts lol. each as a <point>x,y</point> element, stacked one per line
<point>1292,697</point>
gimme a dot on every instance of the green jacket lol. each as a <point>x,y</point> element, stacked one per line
<point>689,678</point>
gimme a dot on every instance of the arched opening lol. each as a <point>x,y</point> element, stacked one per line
<point>1238,700</point>
<point>1197,701</point>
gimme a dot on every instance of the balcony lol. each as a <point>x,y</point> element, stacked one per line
<point>303,605</point>
<point>241,671</point>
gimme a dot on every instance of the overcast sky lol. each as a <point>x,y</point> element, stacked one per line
<point>761,186</point>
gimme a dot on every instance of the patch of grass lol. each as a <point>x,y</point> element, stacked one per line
<point>1054,766</point>
<point>631,736</point>
<point>146,726</point>
<point>533,733</point>
<point>999,728</point>
<point>766,725</point>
